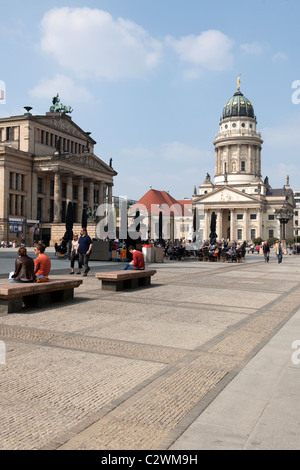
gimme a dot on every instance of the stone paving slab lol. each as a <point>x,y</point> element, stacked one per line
<point>134,370</point>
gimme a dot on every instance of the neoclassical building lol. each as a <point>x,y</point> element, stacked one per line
<point>243,202</point>
<point>45,162</point>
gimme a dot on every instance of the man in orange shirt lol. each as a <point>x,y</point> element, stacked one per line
<point>42,263</point>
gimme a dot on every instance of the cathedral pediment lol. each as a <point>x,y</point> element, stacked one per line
<point>226,195</point>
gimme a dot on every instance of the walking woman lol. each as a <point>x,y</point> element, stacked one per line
<point>278,251</point>
<point>74,254</point>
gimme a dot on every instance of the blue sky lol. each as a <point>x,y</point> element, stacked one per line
<point>149,79</point>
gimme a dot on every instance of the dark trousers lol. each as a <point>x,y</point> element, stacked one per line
<point>75,257</point>
<point>84,261</point>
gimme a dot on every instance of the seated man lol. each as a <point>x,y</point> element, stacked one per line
<point>137,262</point>
<point>42,263</point>
<point>231,252</point>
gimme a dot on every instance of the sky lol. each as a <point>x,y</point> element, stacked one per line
<point>149,80</point>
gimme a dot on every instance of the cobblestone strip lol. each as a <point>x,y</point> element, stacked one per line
<point>123,349</point>
<point>150,417</point>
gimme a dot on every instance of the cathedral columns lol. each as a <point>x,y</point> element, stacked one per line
<point>246,215</point>
<point>232,225</point>
<point>259,222</point>
<point>220,224</point>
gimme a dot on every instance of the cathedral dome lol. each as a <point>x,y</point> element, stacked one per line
<point>238,106</point>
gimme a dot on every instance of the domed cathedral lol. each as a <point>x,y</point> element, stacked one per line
<point>245,205</point>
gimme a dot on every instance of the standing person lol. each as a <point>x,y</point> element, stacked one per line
<point>278,251</point>
<point>74,254</point>
<point>84,250</point>
<point>137,262</point>
<point>24,267</point>
<point>42,263</point>
<point>266,250</point>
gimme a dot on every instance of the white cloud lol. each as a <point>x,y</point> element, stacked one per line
<point>280,57</point>
<point>90,42</point>
<point>254,48</point>
<point>65,86</point>
<point>211,50</point>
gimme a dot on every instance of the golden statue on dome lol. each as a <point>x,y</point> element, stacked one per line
<point>239,82</point>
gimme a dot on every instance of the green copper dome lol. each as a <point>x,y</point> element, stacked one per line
<point>238,106</point>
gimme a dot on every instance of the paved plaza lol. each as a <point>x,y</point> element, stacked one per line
<point>200,360</point>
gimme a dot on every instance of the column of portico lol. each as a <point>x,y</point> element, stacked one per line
<point>47,201</point>
<point>246,215</point>
<point>91,194</point>
<point>101,193</point>
<point>259,222</point>
<point>219,224</point>
<point>110,186</point>
<point>206,224</point>
<point>69,188</point>
<point>232,225</point>
<point>57,197</point>
<point>80,197</point>
<point>104,193</point>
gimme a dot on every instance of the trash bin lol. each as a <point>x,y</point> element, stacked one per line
<point>159,254</point>
<point>149,253</point>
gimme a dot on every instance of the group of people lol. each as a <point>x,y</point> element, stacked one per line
<point>29,270</point>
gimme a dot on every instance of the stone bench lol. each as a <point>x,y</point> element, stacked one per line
<point>121,280</point>
<point>35,295</point>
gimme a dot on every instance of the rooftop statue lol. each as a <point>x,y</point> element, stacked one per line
<point>58,107</point>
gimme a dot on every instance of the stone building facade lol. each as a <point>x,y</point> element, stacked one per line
<point>45,162</point>
<point>243,202</point>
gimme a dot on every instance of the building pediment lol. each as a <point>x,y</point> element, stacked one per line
<point>91,161</point>
<point>226,195</point>
<point>69,162</point>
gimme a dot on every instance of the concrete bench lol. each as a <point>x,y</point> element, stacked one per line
<point>121,280</point>
<point>35,295</point>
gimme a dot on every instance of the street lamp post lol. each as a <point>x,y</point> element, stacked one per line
<point>284,215</point>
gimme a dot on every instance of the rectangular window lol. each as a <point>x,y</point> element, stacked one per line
<point>271,217</point>
<point>51,187</point>
<point>240,216</point>
<point>85,194</point>
<point>75,192</point>
<point>22,182</point>
<point>22,206</point>
<point>9,133</point>
<point>64,190</point>
<point>243,166</point>
<point>10,204</point>
<point>17,181</point>
<point>51,212</point>
<point>11,179</point>
<point>253,233</point>
<point>252,216</point>
<point>240,234</point>
<point>40,185</point>
<point>271,233</point>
